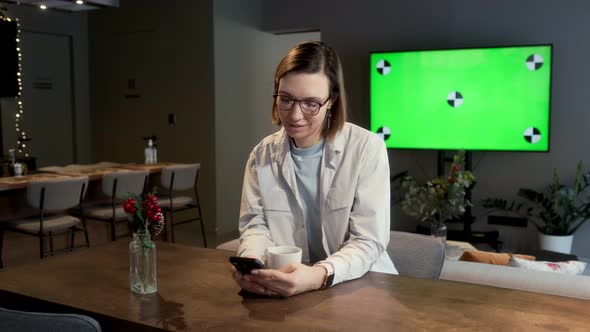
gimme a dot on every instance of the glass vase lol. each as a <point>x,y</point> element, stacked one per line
<point>438,229</point>
<point>142,264</point>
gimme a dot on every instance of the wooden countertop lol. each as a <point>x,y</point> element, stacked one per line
<point>196,292</point>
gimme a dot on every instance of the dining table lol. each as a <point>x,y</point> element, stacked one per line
<point>98,170</point>
<point>197,293</point>
<point>11,183</point>
<point>12,188</point>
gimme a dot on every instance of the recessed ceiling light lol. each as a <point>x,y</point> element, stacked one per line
<point>80,2</point>
<point>43,7</point>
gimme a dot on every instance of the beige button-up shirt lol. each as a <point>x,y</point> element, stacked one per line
<point>354,202</point>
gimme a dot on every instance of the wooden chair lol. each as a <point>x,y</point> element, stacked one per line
<point>178,178</point>
<point>51,198</point>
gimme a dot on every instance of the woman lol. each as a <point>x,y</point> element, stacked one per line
<point>319,183</point>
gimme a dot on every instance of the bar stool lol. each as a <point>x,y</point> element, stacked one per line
<point>115,186</point>
<point>179,178</point>
<point>51,197</point>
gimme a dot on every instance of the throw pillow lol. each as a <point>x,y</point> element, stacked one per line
<point>569,267</point>
<point>490,257</point>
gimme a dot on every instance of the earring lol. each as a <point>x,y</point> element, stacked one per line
<point>329,118</point>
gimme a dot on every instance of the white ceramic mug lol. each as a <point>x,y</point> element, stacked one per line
<point>277,257</point>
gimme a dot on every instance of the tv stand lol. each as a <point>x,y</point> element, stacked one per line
<point>467,234</point>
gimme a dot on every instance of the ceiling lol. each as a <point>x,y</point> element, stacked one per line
<point>65,5</point>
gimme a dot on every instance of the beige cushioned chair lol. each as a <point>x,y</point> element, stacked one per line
<point>51,198</point>
<point>416,255</point>
<point>176,180</point>
<point>116,186</point>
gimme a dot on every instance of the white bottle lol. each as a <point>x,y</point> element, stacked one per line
<point>154,153</point>
<point>148,154</point>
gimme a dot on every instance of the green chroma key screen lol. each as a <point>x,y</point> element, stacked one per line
<point>473,99</point>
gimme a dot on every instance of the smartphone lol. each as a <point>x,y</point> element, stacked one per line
<point>245,264</point>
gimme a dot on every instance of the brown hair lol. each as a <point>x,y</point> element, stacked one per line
<point>314,57</point>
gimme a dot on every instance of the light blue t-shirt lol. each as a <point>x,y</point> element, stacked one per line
<point>306,164</point>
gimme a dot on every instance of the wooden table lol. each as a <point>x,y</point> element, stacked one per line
<point>19,182</point>
<point>96,173</point>
<point>152,168</point>
<point>196,292</point>
<point>93,173</point>
<point>13,189</point>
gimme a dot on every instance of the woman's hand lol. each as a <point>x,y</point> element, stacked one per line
<point>289,280</point>
<point>249,286</point>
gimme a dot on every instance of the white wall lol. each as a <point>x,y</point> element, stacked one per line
<point>245,62</point>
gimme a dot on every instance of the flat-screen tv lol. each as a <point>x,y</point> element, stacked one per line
<point>473,99</point>
<point>8,59</point>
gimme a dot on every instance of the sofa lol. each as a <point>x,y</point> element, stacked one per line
<point>576,286</point>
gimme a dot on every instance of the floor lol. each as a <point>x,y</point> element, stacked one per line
<point>19,249</point>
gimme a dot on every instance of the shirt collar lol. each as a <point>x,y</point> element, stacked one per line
<point>332,150</point>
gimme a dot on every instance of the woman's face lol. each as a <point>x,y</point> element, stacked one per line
<point>305,130</point>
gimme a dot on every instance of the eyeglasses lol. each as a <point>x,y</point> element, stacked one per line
<point>308,107</point>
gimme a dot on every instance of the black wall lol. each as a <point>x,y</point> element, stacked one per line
<point>8,59</point>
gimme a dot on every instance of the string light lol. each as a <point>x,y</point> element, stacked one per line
<point>22,139</point>
<point>21,136</point>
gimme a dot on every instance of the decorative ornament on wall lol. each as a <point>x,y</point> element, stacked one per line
<point>22,145</point>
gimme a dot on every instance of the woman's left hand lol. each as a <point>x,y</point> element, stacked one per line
<point>289,280</point>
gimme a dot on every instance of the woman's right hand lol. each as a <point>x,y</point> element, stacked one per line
<point>249,286</point>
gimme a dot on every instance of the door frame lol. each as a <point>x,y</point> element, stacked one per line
<point>72,89</point>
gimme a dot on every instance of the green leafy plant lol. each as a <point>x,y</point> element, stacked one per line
<point>441,198</point>
<point>559,210</point>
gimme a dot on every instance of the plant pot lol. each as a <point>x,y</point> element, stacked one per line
<point>557,243</point>
<point>439,230</point>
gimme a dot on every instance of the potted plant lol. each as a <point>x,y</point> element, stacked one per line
<point>439,199</point>
<point>557,212</point>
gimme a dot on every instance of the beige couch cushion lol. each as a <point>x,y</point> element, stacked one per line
<point>515,278</point>
<point>567,267</point>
